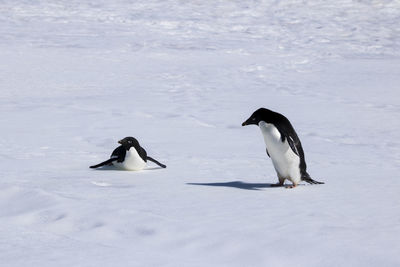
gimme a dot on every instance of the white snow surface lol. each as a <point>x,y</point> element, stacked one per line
<point>181,77</point>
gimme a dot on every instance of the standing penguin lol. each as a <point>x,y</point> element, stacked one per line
<point>129,156</point>
<point>283,146</point>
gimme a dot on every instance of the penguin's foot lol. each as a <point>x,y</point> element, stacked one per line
<point>291,186</point>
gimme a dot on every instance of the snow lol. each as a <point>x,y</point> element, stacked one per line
<point>181,77</point>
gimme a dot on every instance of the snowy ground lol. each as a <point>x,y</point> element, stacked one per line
<point>181,76</point>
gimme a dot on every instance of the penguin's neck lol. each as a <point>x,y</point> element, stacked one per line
<point>132,152</point>
<point>272,137</point>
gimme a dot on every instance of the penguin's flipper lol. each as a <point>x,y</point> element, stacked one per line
<point>119,153</point>
<point>104,163</point>
<point>267,152</point>
<point>156,162</point>
<point>293,145</point>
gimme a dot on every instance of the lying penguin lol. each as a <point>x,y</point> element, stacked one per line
<point>283,146</point>
<point>129,156</point>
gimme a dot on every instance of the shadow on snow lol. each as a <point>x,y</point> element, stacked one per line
<point>113,168</point>
<point>240,185</point>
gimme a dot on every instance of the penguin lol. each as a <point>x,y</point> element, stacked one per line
<point>283,146</point>
<point>129,156</point>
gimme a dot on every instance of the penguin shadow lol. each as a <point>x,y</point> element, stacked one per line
<point>240,185</point>
<point>113,168</point>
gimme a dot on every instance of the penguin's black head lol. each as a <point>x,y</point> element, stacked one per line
<point>129,142</point>
<point>261,114</point>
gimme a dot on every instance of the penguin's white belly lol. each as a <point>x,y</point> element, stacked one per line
<point>285,161</point>
<point>132,162</point>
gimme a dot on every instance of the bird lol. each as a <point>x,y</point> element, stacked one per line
<point>129,156</point>
<point>283,146</point>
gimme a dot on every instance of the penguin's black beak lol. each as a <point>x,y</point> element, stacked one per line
<point>120,142</point>
<point>248,122</point>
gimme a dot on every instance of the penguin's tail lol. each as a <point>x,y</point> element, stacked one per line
<point>156,162</point>
<point>103,163</point>
<point>306,177</point>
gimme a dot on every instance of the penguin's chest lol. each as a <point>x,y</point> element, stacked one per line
<point>285,161</point>
<point>132,162</point>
